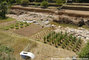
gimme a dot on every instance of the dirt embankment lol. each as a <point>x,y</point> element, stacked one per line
<point>72,20</point>
<point>78,18</point>
<point>51,11</point>
<point>33,9</point>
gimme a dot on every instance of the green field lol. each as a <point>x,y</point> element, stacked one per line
<point>6,20</point>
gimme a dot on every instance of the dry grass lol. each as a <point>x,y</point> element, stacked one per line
<point>42,51</point>
<point>46,52</point>
<point>14,41</point>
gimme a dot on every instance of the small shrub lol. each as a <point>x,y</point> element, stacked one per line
<point>24,2</point>
<point>36,4</point>
<point>12,26</point>
<point>25,22</point>
<point>21,26</point>
<point>21,23</point>
<point>16,27</point>
<point>44,4</point>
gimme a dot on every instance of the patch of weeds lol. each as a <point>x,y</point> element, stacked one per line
<point>5,49</point>
<point>6,53</point>
<point>27,24</point>
<point>6,28</point>
<point>21,26</point>
<point>16,27</point>
<point>12,26</point>
<point>17,22</point>
<point>21,23</point>
<point>86,27</point>
<point>6,20</point>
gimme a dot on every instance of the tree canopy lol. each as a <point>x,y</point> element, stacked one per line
<point>3,8</point>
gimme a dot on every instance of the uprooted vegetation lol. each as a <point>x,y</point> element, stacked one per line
<point>65,40</point>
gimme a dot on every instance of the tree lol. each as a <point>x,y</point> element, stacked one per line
<point>44,4</point>
<point>3,9</point>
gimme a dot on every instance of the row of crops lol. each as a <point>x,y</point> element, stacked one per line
<point>17,25</point>
<point>40,35</point>
<point>64,40</point>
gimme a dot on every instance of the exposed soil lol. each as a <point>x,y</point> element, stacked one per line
<point>28,31</point>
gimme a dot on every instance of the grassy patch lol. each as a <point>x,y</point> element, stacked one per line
<point>6,53</point>
<point>6,20</point>
<point>86,27</point>
<point>65,25</point>
<point>15,42</point>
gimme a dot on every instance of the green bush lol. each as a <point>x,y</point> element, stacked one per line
<point>21,23</point>
<point>44,4</point>
<point>16,27</point>
<point>12,26</point>
<point>3,9</point>
<point>27,24</point>
<point>21,26</point>
<point>25,2</point>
